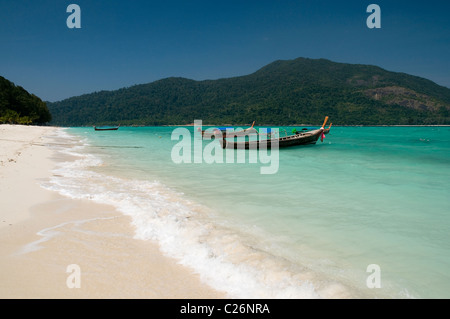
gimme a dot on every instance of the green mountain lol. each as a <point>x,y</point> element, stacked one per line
<point>17,106</point>
<point>300,91</point>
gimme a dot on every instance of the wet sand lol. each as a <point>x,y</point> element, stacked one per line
<point>56,247</point>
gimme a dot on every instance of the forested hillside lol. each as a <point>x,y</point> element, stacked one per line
<point>17,106</point>
<point>300,91</point>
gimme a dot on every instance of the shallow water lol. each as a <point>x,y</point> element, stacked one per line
<point>366,195</point>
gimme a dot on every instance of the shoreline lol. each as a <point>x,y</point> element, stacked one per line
<point>42,233</point>
<point>264,125</point>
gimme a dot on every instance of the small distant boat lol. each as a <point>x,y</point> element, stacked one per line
<point>107,128</point>
<point>223,131</point>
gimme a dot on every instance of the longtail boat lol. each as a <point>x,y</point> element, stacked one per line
<point>304,130</point>
<point>301,138</point>
<point>106,128</point>
<point>224,130</point>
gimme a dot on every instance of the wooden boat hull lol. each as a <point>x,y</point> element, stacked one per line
<point>310,137</point>
<point>231,132</point>
<point>106,129</point>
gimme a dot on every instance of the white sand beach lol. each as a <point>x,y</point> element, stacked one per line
<point>42,233</point>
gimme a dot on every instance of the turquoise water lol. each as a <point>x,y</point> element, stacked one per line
<point>366,195</point>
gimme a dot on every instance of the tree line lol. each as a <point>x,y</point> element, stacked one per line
<point>17,106</point>
<point>300,91</point>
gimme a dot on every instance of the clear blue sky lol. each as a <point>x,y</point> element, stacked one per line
<point>123,43</point>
